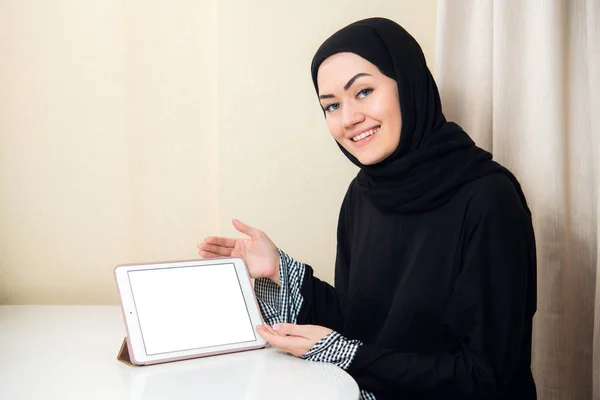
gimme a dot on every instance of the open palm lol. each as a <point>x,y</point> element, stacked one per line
<point>258,251</point>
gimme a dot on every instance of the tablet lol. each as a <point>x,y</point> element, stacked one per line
<point>177,310</point>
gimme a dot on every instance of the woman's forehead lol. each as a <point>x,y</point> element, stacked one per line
<point>340,67</point>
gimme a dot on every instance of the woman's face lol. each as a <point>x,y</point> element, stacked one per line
<point>361,107</point>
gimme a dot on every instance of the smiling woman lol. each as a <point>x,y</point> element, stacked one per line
<point>363,114</point>
<point>435,275</point>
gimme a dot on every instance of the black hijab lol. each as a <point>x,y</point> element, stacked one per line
<point>434,157</point>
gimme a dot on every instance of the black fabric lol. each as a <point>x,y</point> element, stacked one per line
<point>434,157</point>
<point>435,271</point>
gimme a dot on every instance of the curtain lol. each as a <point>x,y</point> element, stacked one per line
<point>523,78</point>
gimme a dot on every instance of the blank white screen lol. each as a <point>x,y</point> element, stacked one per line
<point>186,308</point>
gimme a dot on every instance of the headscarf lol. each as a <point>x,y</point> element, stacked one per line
<point>434,157</point>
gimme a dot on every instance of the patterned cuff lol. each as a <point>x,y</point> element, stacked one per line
<point>291,297</point>
<point>339,350</point>
<point>281,304</point>
<point>364,395</point>
<point>267,294</point>
<point>335,349</point>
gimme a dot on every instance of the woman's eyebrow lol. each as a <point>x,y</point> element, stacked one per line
<point>347,86</point>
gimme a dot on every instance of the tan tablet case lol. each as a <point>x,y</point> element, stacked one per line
<point>124,356</point>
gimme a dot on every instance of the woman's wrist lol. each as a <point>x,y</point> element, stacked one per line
<point>275,277</point>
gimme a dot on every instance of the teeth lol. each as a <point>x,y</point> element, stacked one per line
<point>365,134</point>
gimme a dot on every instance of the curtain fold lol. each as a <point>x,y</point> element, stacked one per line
<point>523,78</point>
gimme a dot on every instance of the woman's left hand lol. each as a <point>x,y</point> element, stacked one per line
<point>291,338</point>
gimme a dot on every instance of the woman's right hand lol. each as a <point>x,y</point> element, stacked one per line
<point>258,251</point>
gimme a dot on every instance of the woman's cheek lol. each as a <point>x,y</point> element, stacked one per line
<point>335,129</point>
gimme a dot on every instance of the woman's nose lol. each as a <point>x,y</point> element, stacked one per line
<point>352,116</point>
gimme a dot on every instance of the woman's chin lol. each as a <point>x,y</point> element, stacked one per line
<point>370,159</point>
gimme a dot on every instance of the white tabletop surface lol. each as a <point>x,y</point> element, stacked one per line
<point>69,352</point>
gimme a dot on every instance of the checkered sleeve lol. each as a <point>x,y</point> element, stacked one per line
<point>281,304</point>
<point>364,395</point>
<point>339,350</point>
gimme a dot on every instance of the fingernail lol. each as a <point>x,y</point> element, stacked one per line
<point>277,327</point>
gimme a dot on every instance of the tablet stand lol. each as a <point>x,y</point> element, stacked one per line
<point>124,356</point>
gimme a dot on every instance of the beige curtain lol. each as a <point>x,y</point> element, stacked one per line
<point>523,78</point>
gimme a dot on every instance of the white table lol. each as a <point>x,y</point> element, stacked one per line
<point>69,352</point>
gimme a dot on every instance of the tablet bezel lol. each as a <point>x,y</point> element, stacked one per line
<point>134,337</point>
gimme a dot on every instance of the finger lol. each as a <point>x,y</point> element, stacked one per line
<point>273,338</point>
<point>292,329</point>
<point>207,254</point>
<point>223,251</point>
<point>220,241</point>
<point>265,333</point>
<point>290,344</point>
<point>271,330</point>
<point>246,229</point>
<point>211,247</point>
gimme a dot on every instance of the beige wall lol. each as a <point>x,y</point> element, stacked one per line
<point>108,131</point>
<point>131,130</point>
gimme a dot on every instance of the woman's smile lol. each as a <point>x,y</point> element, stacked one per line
<point>361,139</point>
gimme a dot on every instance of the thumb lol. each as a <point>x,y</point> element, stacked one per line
<point>246,229</point>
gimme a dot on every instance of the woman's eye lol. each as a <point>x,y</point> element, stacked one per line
<point>332,107</point>
<point>364,93</point>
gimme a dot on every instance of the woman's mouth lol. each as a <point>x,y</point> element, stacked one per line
<point>365,137</point>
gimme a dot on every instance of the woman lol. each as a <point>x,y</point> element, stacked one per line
<point>435,275</point>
